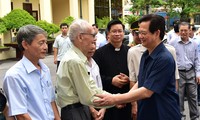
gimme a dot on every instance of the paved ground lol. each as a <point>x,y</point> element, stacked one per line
<point>6,64</point>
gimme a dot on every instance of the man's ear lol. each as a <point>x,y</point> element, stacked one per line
<point>80,37</point>
<point>24,44</point>
<point>157,33</point>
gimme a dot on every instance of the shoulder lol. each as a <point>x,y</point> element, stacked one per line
<point>102,49</point>
<point>169,47</point>
<point>58,37</point>
<point>137,48</point>
<point>15,73</point>
<point>166,54</point>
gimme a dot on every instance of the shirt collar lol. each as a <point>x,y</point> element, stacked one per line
<point>80,54</point>
<point>155,51</point>
<point>91,63</point>
<point>30,67</point>
<point>180,41</point>
<point>115,49</point>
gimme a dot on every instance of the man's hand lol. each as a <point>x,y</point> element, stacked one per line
<point>198,80</point>
<point>120,106</point>
<point>97,115</point>
<point>134,110</point>
<point>94,113</point>
<point>55,61</point>
<point>120,80</point>
<point>101,114</point>
<point>105,100</point>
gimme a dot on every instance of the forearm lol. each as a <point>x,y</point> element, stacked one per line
<point>55,53</point>
<point>23,117</point>
<point>177,85</point>
<point>132,83</point>
<point>5,112</point>
<point>132,95</point>
<point>55,111</point>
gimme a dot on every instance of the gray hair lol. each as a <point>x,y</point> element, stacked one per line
<point>184,24</point>
<point>78,26</point>
<point>28,33</point>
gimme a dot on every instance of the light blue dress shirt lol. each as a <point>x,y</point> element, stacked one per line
<point>187,54</point>
<point>29,90</point>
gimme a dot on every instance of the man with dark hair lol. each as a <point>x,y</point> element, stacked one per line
<point>101,40</point>
<point>112,62</point>
<point>174,33</point>
<point>61,44</point>
<point>188,61</point>
<point>155,89</point>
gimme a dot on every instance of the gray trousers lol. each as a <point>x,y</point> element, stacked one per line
<point>79,113</point>
<point>187,83</point>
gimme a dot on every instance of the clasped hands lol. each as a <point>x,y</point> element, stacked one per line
<point>120,80</point>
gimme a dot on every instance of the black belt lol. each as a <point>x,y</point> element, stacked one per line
<point>71,106</point>
<point>185,70</point>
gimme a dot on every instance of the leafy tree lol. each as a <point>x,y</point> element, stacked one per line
<point>2,26</point>
<point>68,20</point>
<point>48,27</point>
<point>18,18</point>
<point>131,18</point>
<point>187,6</point>
<point>139,5</point>
<point>102,23</point>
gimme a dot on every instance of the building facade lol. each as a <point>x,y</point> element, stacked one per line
<point>54,11</point>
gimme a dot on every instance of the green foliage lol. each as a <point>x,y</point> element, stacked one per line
<point>131,18</point>
<point>102,23</point>
<point>18,18</point>
<point>2,26</point>
<point>68,20</point>
<point>122,20</point>
<point>48,27</point>
<point>188,6</point>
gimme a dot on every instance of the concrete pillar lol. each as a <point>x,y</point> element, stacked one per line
<point>5,7</point>
<point>46,10</point>
<point>91,13</point>
<point>74,12</point>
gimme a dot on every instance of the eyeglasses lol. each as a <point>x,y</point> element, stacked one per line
<point>135,32</point>
<point>143,33</point>
<point>93,35</point>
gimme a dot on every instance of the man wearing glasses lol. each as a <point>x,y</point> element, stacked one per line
<point>75,88</point>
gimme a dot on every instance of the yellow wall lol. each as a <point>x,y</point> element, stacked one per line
<point>18,4</point>
<point>51,11</point>
<point>85,9</point>
<point>60,10</point>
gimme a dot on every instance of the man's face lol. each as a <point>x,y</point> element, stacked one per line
<point>88,42</point>
<point>184,32</point>
<point>90,53</point>
<point>136,38</point>
<point>64,30</point>
<point>37,49</point>
<point>145,36</point>
<point>116,33</point>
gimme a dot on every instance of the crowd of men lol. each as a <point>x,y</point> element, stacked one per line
<point>100,78</point>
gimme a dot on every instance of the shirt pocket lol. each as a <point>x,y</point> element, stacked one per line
<point>191,53</point>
